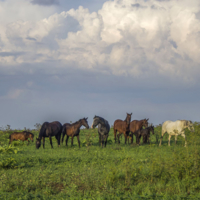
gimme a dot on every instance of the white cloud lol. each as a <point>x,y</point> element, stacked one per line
<point>125,38</point>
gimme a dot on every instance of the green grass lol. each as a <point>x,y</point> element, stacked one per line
<point>115,172</point>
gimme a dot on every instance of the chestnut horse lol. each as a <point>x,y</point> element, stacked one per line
<point>122,127</point>
<point>136,125</point>
<point>21,136</point>
<point>72,130</point>
<point>49,130</point>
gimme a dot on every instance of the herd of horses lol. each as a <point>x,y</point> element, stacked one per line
<point>138,128</point>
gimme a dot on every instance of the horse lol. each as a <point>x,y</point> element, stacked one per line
<point>72,130</point>
<point>49,130</point>
<point>145,133</point>
<point>21,136</point>
<point>136,125</point>
<point>122,127</point>
<point>103,129</point>
<point>176,128</point>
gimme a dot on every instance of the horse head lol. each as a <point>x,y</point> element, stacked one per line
<point>145,122</point>
<point>190,125</point>
<point>128,118</point>
<point>85,123</point>
<point>38,143</point>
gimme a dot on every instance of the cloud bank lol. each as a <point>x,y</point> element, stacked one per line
<point>123,38</point>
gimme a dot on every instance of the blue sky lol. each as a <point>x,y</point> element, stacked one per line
<point>65,60</point>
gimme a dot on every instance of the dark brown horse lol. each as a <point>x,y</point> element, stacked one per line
<point>21,136</point>
<point>145,133</point>
<point>72,130</point>
<point>49,130</point>
<point>122,127</point>
<point>136,125</point>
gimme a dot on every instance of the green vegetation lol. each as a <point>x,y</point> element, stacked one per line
<point>115,172</point>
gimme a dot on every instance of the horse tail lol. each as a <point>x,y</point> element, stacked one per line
<point>63,132</point>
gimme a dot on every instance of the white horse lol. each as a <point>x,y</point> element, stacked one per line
<point>176,128</point>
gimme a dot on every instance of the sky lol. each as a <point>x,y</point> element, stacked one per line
<point>62,60</point>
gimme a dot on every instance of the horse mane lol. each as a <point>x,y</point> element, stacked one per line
<point>101,118</point>
<point>43,128</point>
<point>76,122</point>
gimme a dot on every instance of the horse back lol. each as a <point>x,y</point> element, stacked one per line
<point>71,130</point>
<point>121,126</point>
<point>18,136</point>
<point>171,126</point>
<point>135,125</point>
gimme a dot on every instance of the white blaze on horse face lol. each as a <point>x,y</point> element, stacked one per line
<point>92,124</point>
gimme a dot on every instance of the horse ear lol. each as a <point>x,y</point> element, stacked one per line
<point>86,118</point>
<point>131,113</point>
<point>147,119</point>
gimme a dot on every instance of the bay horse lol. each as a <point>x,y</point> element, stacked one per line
<point>72,130</point>
<point>21,136</point>
<point>136,125</point>
<point>145,133</point>
<point>49,130</point>
<point>103,129</point>
<point>176,128</point>
<point>122,127</point>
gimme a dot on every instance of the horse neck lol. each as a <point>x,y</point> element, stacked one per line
<point>140,123</point>
<point>78,125</point>
<point>127,123</point>
<point>101,121</point>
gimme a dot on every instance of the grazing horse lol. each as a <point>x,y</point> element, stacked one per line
<point>21,136</point>
<point>136,125</point>
<point>122,127</point>
<point>176,128</point>
<point>72,130</point>
<point>145,133</point>
<point>103,129</point>
<point>49,130</point>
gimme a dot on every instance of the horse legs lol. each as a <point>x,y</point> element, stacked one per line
<point>10,141</point>
<point>118,138</point>
<point>102,141</point>
<point>175,139</point>
<point>43,138</point>
<point>50,141</point>
<point>115,133</point>
<point>131,135</point>
<point>28,141</point>
<point>106,137</point>
<point>78,140</point>
<point>67,139</point>
<point>58,139</point>
<point>161,138</point>
<point>183,135</point>
<point>72,140</point>
<point>169,140</point>
<point>125,138</point>
<point>63,135</point>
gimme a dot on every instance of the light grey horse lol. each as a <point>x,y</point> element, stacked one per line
<point>103,129</point>
<point>176,128</point>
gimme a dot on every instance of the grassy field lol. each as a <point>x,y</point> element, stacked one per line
<point>115,172</point>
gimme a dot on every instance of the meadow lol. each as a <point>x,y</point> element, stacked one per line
<point>91,172</point>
